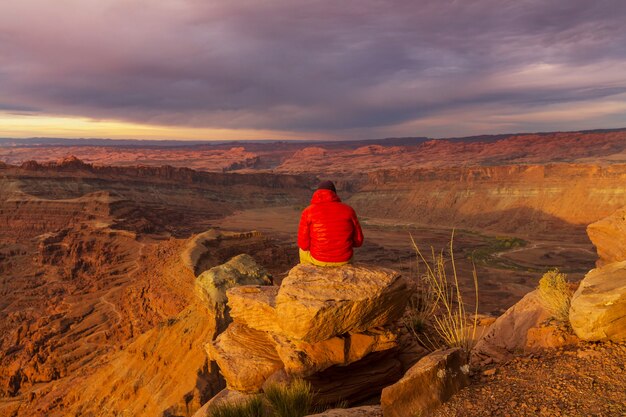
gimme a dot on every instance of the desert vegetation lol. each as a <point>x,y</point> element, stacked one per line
<point>278,400</point>
<point>438,302</point>
<point>555,295</point>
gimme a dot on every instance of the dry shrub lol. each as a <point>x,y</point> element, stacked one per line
<point>293,400</point>
<point>443,302</point>
<point>248,408</point>
<point>555,295</point>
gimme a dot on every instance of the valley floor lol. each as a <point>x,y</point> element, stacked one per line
<point>508,267</point>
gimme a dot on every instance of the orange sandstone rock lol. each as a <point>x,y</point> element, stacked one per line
<point>315,304</point>
<point>609,237</point>
<point>429,383</point>
<point>598,310</point>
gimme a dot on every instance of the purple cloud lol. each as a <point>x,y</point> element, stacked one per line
<point>364,66</point>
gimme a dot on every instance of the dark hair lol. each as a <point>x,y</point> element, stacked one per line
<point>327,185</point>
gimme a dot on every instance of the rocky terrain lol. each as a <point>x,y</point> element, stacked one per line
<point>336,158</point>
<point>90,261</point>
<point>103,267</point>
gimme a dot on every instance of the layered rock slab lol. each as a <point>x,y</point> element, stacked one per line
<point>598,308</point>
<point>341,313</point>
<point>315,303</point>
<point>304,359</point>
<point>429,383</point>
<point>246,357</point>
<point>609,237</point>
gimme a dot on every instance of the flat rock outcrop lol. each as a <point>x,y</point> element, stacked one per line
<point>316,304</point>
<point>429,383</point>
<point>320,323</point>
<point>598,309</point>
<point>609,237</point>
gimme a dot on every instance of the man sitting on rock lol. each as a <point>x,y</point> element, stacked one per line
<point>328,229</point>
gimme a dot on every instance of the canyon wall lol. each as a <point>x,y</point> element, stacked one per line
<point>522,199</point>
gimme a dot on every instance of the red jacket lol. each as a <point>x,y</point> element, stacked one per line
<point>329,229</point>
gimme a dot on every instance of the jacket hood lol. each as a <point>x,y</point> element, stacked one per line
<point>324,196</point>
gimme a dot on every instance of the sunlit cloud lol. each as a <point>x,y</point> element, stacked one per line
<point>24,126</point>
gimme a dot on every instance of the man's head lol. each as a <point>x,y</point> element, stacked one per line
<point>327,185</point>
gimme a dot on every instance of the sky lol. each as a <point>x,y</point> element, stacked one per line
<point>285,69</point>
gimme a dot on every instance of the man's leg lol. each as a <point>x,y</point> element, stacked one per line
<point>306,258</point>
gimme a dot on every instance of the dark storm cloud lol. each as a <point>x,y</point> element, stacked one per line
<point>306,65</point>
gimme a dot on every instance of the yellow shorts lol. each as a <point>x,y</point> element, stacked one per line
<point>306,258</point>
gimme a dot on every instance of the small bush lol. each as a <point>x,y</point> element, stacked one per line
<point>250,408</point>
<point>293,400</point>
<point>555,295</point>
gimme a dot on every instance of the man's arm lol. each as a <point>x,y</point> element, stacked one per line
<point>357,234</point>
<point>304,238</point>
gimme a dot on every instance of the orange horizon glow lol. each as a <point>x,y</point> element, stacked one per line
<point>28,126</point>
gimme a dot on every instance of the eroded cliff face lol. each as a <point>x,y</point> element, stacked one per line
<point>523,199</point>
<point>38,198</point>
<point>90,265</point>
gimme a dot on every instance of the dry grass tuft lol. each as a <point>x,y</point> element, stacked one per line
<point>279,400</point>
<point>555,295</point>
<point>293,400</point>
<point>250,408</point>
<point>443,302</point>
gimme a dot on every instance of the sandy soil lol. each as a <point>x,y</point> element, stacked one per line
<point>581,381</point>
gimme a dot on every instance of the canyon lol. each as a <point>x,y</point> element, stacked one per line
<point>99,313</point>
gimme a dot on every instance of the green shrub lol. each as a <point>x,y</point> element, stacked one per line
<point>278,400</point>
<point>293,400</point>
<point>250,408</point>
<point>555,294</point>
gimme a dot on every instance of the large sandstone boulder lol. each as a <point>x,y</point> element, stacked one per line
<point>598,309</point>
<point>609,237</point>
<point>212,284</point>
<point>315,303</point>
<point>254,307</point>
<point>429,383</point>
<point>509,332</point>
<point>248,357</point>
<point>323,324</point>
